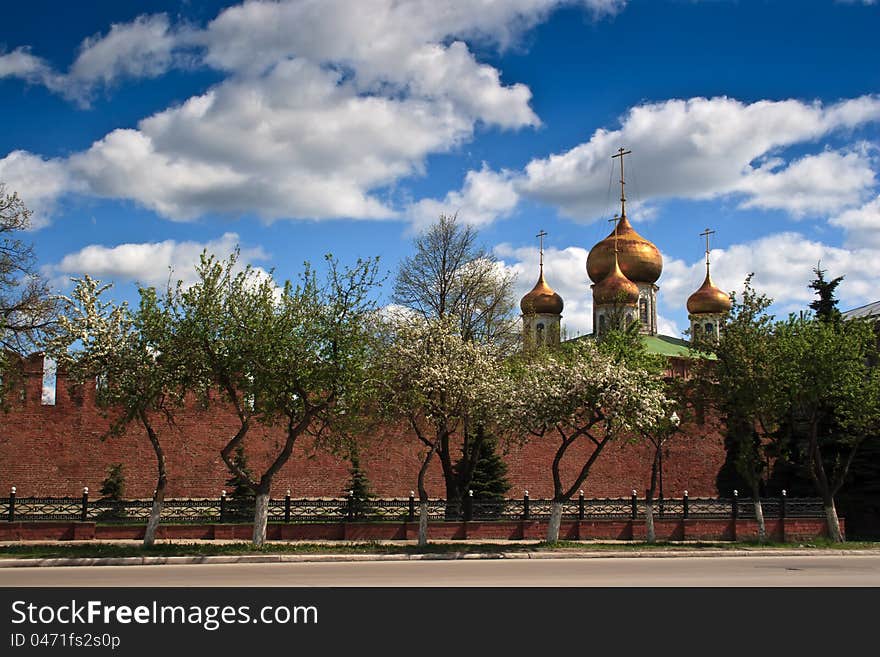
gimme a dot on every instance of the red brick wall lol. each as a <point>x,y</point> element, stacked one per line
<point>56,450</point>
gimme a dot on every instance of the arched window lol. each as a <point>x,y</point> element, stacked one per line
<point>643,311</point>
<point>709,327</point>
<point>601,323</point>
<point>539,333</point>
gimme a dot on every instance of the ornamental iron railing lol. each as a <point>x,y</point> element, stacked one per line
<point>225,509</point>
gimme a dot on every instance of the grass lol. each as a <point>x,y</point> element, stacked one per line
<point>95,550</point>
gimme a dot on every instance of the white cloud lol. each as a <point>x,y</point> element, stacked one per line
<point>783,266</point>
<point>706,147</point>
<point>38,183</point>
<point>484,197</point>
<point>861,224</point>
<point>147,263</point>
<point>20,63</point>
<point>822,183</point>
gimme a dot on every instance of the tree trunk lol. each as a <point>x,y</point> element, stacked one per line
<point>155,515</point>
<point>555,521</point>
<point>161,483</point>
<point>834,532</point>
<point>650,533</point>
<point>261,517</point>
<point>759,512</point>
<point>423,523</point>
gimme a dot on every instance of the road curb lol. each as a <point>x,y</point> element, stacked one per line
<point>447,556</point>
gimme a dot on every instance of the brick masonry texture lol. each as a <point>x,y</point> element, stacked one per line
<point>57,450</point>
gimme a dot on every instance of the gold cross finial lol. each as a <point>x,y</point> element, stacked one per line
<point>541,235</point>
<point>706,234</point>
<point>620,153</point>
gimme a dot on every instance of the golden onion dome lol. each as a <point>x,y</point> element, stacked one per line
<point>615,288</point>
<point>542,300</point>
<point>708,299</point>
<point>640,261</point>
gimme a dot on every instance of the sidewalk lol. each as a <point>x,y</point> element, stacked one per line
<point>679,550</point>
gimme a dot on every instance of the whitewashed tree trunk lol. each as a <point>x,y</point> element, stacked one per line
<point>423,523</point>
<point>555,522</point>
<point>831,518</point>
<point>650,533</point>
<point>155,515</point>
<point>261,517</point>
<point>759,516</point>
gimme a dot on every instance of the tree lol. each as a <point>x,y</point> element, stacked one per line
<point>358,488</point>
<point>739,383</point>
<point>489,482</point>
<point>27,310</point>
<point>828,392</point>
<point>452,280</point>
<point>581,395</point>
<point>293,356</point>
<point>242,492</point>
<point>135,354</point>
<point>825,307</point>
<point>436,381</point>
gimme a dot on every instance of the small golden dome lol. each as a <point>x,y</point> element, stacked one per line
<point>708,299</point>
<point>640,261</point>
<point>542,300</point>
<point>615,288</point>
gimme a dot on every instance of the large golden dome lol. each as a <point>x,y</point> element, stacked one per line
<point>542,300</point>
<point>708,299</point>
<point>640,261</point>
<point>615,288</point>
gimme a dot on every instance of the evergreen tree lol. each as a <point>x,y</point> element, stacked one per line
<point>358,491</point>
<point>113,486</point>
<point>241,504</point>
<point>489,482</point>
<point>825,307</point>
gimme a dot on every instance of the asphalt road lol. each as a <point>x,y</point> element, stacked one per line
<point>777,571</point>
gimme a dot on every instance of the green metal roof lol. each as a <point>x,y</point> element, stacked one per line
<point>662,345</point>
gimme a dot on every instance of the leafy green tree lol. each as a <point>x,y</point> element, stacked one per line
<point>824,368</point>
<point>292,356</point>
<point>740,384</point>
<point>135,354</point>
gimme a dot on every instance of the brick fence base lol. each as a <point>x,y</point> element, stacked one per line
<point>790,529</point>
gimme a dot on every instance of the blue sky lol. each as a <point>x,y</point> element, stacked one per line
<point>142,132</point>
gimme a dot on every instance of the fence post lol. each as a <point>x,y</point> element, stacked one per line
<point>634,504</point>
<point>412,506</point>
<point>469,506</point>
<point>287,506</point>
<point>734,507</point>
<point>222,506</point>
<point>525,505</point>
<point>12,504</point>
<point>685,505</point>
<point>782,505</point>
<point>84,513</point>
<point>350,505</point>
<point>580,505</point>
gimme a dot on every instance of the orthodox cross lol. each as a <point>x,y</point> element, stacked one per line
<point>541,235</point>
<point>620,153</point>
<point>706,234</point>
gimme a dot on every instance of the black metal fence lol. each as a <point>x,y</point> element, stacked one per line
<point>225,509</point>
